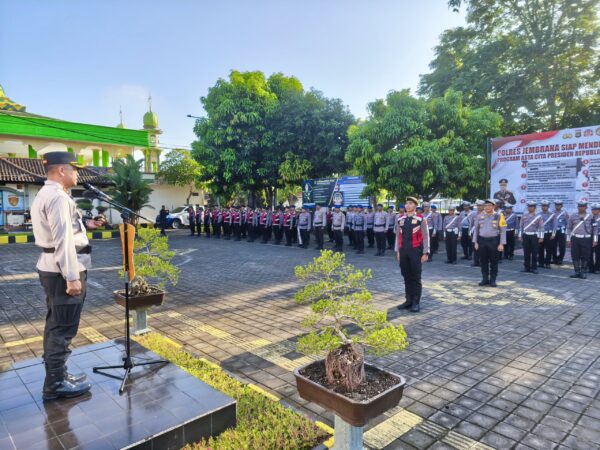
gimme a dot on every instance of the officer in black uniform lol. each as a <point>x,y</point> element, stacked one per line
<point>192,219</point>
<point>59,230</point>
<point>412,250</point>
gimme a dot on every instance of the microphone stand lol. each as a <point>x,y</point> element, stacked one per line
<point>128,363</point>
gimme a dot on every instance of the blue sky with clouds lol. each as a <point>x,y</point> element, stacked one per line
<point>80,60</point>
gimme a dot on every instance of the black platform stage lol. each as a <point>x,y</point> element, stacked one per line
<point>163,407</point>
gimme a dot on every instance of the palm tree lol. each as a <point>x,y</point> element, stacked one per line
<point>130,188</point>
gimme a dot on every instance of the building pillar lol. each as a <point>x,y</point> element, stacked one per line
<point>32,153</point>
<point>95,158</point>
<point>105,158</point>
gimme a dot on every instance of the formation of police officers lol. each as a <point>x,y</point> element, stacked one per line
<point>486,232</point>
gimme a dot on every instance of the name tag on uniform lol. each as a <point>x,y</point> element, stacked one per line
<point>414,221</point>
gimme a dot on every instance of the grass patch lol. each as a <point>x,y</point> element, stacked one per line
<point>16,233</point>
<point>261,422</point>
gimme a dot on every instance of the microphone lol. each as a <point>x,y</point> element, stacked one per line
<point>97,192</point>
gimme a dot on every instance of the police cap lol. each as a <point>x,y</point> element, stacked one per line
<point>390,207</point>
<point>369,207</point>
<point>582,203</point>
<point>558,202</point>
<point>412,199</point>
<point>545,203</point>
<point>531,203</point>
<point>401,206</point>
<point>55,158</point>
<point>508,206</point>
<point>379,205</point>
<point>595,205</point>
<point>433,207</point>
<point>489,201</point>
<point>503,180</point>
<point>481,202</point>
<point>426,204</point>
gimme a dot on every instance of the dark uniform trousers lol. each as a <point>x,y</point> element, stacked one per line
<point>237,231</point>
<point>62,318</point>
<point>580,252</point>
<point>435,243</point>
<point>410,267</point>
<point>380,239</point>
<point>330,232</point>
<point>338,236</point>
<point>560,247</point>
<point>595,261</point>
<point>288,235</point>
<point>545,250</point>
<point>217,230</point>
<point>266,233</point>
<point>192,226</point>
<point>207,227</point>
<point>432,239</point>
<point>305,236</point>
<point>509,248</point>
<point>391,237</point>
<point>319,233</point>
<point>488,255</point>
<point>530,251</point>
<point>278,233</point>
<point>451,244</point>
<point>370,237</point>
<point>199,227</point>
<point>465,243</point>
<point>359,240</point>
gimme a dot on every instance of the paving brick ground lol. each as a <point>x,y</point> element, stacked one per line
<point>512,367</point>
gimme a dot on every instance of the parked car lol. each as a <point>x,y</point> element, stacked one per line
<point>178,218</point>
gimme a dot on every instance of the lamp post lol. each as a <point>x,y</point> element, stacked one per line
<point>193,117</point>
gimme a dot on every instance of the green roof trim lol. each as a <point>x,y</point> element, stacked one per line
<point>46,128</point>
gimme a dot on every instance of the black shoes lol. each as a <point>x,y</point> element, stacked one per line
<point>484,282</point>
<point>583,276</point>
<point>493,283</point>
<point>59,384</point>
<point>406,305</point>
<point>534,271</point>
<point>575,275</point>
<point>415,308</point>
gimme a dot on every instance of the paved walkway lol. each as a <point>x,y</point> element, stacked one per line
<point>512,367</point>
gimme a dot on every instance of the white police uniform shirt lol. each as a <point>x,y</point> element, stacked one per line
<point>58,224</point>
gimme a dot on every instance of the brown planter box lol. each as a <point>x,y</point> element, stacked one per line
<point>356,413</point>
<point>141,301</point>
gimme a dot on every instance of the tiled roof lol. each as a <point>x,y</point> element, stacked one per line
<point>25,170</point>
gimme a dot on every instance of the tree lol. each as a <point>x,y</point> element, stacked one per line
<point>180,169</point>
<point>338,296</point>
<point>264,134</point>
<point>411,146</point>
<point>130,188</point>
<point>534,61</point>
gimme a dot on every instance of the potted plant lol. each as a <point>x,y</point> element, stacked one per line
<point>343,322</point>
<point>153,269</point>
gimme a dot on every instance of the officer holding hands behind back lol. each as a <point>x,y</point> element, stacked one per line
<point>59,230</point>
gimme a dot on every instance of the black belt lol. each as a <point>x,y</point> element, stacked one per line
<point>82,251</point>
<point>488,238</point>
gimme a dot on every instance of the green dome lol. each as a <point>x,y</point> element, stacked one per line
<point>150,121</point>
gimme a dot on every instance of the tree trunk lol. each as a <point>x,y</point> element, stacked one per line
<point>345,367</point>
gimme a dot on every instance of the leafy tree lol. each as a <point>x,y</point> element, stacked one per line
<point>180,169</point>
<point>263,134</point>
<point>411,146</point>
<point>130,188</point>
<point>338,296</point>
<point>534,61</point>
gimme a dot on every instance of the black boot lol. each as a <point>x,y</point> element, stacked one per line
<point>484,282</point>
<point>56,386</point>
<point>493,282</point>
<point>407,304</point>
<point>416,304</point>
<point>576,275</point>
<point>582,275</point>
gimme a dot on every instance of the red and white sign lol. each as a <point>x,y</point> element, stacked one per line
<point>553,165</point>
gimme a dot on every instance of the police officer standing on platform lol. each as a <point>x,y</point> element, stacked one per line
<point>62,267</point>
<point>379,221</point>
<point>489,238</point>
<point>582,237</point>
<point>512,221</point>
<point>560,242</point>
<point>412,248</point>
<point>319,224</point>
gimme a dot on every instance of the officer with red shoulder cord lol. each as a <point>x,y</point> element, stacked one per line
<point>412,250</point>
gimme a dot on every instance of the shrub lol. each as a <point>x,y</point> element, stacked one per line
<point>261,422</point>
<point>338,296</point>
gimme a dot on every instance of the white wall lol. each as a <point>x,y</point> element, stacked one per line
<point>171,197</point>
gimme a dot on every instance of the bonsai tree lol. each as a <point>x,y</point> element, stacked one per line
<point>152,260</point>
<point>338,297</point>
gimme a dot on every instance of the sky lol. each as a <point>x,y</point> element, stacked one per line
<point>83,60</point>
